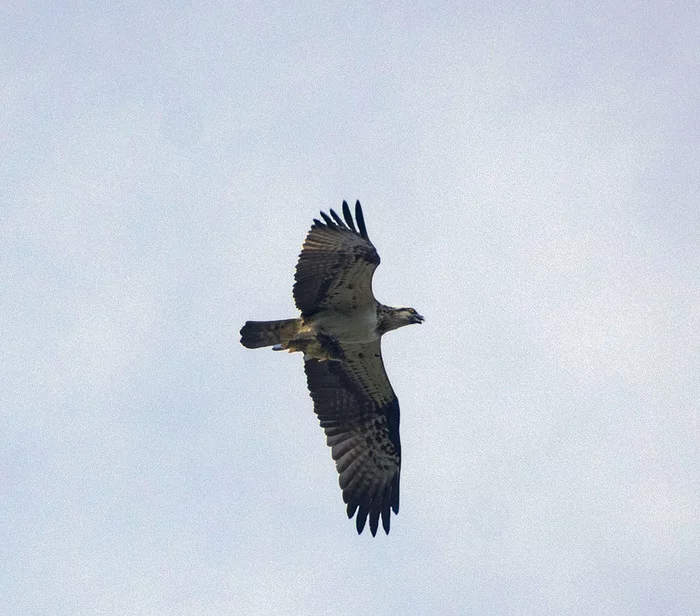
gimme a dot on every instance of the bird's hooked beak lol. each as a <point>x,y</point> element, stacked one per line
<point>418,318</point>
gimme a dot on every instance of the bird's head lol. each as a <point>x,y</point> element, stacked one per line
<point>393,318</point>
<point>410,316</point>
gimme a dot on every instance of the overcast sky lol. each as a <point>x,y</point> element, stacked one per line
<point>530,177</point>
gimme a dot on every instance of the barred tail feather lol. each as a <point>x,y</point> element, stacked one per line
<point>256,334</point>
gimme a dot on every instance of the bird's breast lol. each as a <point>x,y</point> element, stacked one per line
<point>358,326</point>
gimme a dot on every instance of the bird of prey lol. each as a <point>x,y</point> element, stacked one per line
<point>339,333</point>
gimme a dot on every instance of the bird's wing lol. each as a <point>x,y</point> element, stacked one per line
<point>336,265</point>
<point>359,413</point>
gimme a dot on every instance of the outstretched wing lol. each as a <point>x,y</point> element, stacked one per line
<point>336,265</point>
<point>359,413</point>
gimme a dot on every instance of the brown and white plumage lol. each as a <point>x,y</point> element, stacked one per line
<point>339,333</point>
<point>336,266</point>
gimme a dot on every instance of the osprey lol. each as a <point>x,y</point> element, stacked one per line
<point>339,333</point>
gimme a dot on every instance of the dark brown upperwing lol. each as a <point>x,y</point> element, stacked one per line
<point>336,265</point>
<point>359,413</point>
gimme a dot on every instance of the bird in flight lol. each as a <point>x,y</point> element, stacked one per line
<point>339,333</point>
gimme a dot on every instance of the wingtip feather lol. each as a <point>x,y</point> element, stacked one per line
<point>348,216</point>
<point>361,519</point>
<point>374,518</point>
<point>395,494</point>
<point>338,220</point>
<point>360,220</point>
<point>386,519</point>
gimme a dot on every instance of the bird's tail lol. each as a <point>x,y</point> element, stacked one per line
<point>256,334</point>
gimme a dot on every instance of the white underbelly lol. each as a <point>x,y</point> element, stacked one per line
<point>358,327</point>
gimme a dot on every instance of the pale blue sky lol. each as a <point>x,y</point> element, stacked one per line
<point>529,174</point>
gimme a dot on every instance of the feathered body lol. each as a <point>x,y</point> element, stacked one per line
<point>339,333</point>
